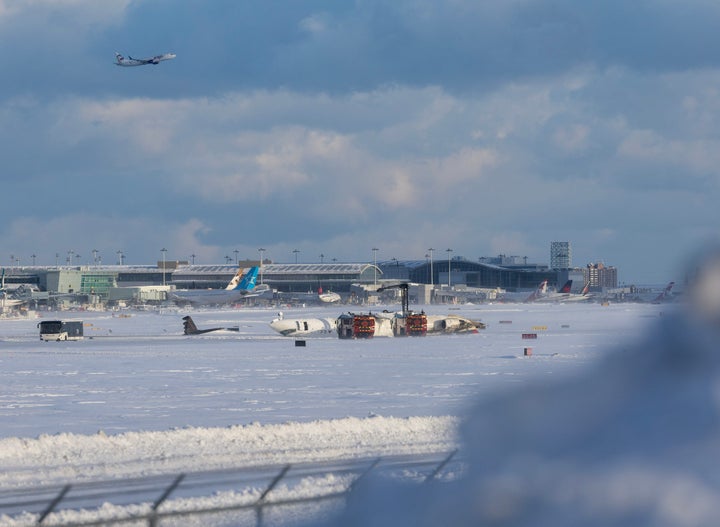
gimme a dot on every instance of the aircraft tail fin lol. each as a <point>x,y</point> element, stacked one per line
<point>665,293</point>
<point>585,290</point>
<point>248,281</point>
<point>541,290</point>
<point>189,326</point>
<point>566,288</point>
<point>233,284</point>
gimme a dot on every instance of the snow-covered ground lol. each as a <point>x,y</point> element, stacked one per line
<point>137,398</point>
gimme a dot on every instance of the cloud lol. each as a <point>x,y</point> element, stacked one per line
<point>344,126</point>
<point>74,237</point>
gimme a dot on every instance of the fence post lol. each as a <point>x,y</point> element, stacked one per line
<point>440,466</point>
<point>152,519</point>
<point>259,503</point>
<point>361,476</point>
<point>53,503</point>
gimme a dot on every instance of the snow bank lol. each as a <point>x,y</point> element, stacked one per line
<point>74,457</point>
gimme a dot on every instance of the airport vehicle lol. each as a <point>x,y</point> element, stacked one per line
<point>61,330</point>
<point>241,286</point>
<point>129,61</point>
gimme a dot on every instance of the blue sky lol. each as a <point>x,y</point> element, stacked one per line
<point>334,127</point>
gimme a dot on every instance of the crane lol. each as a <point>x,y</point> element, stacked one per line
<point>403,295</point>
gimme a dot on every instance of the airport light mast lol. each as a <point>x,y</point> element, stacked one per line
<point>375,250</point>
<point>261,250</point>
<point>432,276</point>
<point>163,251</point>
<point>449,251</point>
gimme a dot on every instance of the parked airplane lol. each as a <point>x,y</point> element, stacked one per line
<point>241,286</point>
<point>563,294</point>
<point>665,296</point>
<point>21,295</point>
<point>157,59</point>
<point>540,291</point>
<point>310,297</point>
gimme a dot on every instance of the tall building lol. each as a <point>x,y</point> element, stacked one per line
<point>600,276</point>
<point>560,255</point>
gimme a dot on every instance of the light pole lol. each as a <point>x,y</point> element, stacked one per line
<point>322,258</point>
<point>296,251</point>
<point>120,257</point>
<point>261,250</point>
<point>95,252</point>
<point>236,256</point>
<point>448,251</point>
<point>375,250</point>
<point>163,251</point>
<point>33,256</point>
<point>193,258</point>
<point>432,276</point>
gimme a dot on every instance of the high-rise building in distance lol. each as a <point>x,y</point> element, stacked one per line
<point>560,255</point>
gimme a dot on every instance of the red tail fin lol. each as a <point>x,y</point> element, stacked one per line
<point>567,287</point>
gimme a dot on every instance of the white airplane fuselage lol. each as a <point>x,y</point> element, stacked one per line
<point>128,62</point>
<point>209,297</point>
<point>304,327</point>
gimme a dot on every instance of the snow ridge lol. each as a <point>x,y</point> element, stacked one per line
<point>75,457</point>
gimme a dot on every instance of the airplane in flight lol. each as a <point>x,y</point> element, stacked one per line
<point>241,286</point>
<point>129,61</point>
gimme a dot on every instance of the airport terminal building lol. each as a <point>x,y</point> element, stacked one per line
<point>103,283</point>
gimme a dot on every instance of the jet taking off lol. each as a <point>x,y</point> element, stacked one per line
<point>157,59</point>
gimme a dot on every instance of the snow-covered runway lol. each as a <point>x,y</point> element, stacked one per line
<point>141,373</point>
<point>136,398</point>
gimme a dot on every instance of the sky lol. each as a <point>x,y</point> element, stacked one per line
<point>330,128</point>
